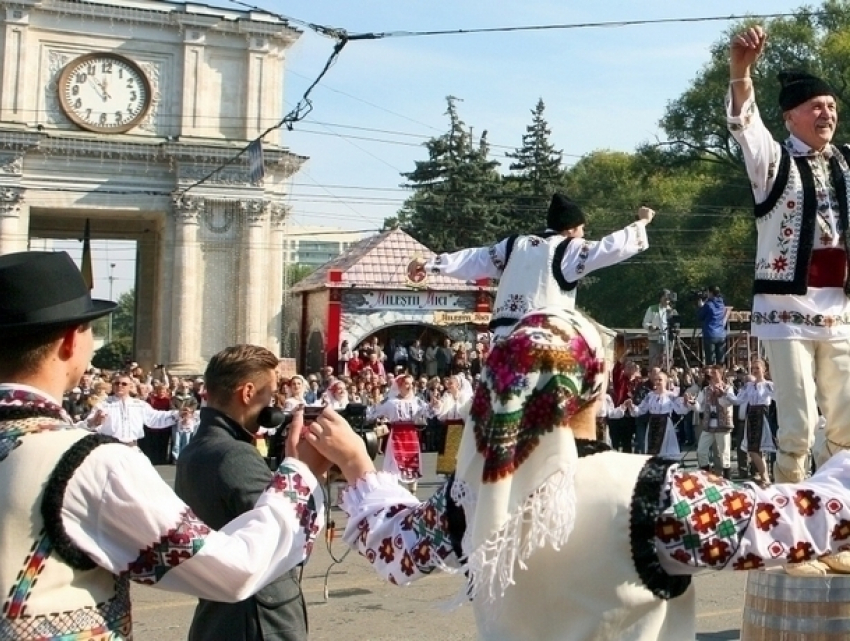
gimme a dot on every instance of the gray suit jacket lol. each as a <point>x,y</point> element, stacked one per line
<point>220,475</point>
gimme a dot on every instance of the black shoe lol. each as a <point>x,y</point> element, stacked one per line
<point>727,472</point>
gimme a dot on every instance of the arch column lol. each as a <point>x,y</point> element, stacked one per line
<point>185,348</point>
<point>255,272</point>
<point>277,219</point>
<point>14,234</point>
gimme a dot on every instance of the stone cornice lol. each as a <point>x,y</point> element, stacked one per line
<point>179,15</point>
<point>194,159</point>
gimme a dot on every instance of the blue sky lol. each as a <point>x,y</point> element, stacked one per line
<point>604,88</point>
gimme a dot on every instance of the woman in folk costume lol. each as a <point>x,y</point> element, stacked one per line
<point>297,391</point>
<point>534,495</point>
<point>451,412</point>
<point>405,412</point>
<point>756,397</point>
<point>607,410</point>
<point>659,404</point>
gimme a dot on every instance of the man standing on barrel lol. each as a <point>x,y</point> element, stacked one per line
<point>801,310</point>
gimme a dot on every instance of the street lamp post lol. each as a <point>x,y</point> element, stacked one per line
<point>111,281</point>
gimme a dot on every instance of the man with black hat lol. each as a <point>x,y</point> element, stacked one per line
<point>84,513</point>
<point>801,311</point>
<point>542,270</point>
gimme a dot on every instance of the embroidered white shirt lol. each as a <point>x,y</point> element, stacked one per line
<point>761,157</point>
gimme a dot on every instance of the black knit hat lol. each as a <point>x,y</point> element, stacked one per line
<point>563,214</point>
<point>799,86</point>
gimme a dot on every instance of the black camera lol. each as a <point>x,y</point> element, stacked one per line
<point>674,323</point>
<point>354,413</point>
<point>698,294</point>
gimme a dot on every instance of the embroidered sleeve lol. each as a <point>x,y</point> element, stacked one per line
<point>404,539</point>
<point>583,258</point>
<point>119,511</point>
<point>709,522</point>
<point>761,152</point>
<point>470,264</point>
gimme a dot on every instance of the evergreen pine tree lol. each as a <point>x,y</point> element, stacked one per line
<point>538,173</point>
<point>457,199</point>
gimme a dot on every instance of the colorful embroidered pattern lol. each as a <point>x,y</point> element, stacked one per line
<point>12,430</point>
<point>705,520</point>
<point>498,263</point>
<point>583,255</point>
<point>534,379</point>
<point>289,482</point>
<point>515,305</point>
<point>107,621</point>
<point>421,544</point>
<point>792,317</point>
<point>179,544</point>
<point>33,565</point>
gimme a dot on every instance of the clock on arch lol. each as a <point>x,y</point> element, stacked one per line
<point>104,92</point>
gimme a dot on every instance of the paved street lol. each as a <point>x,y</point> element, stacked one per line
<point>362,608</point>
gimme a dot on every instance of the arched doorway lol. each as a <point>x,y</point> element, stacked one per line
<point>406,334</point>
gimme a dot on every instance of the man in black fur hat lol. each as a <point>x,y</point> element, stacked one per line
<point>801,309</point>
<point>542,270</point>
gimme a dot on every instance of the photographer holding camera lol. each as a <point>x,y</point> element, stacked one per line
<point>220,476</point>
<point>711,313</point>
<point>656,323</point>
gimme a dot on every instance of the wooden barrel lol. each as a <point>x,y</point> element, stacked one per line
<point>781,607</point>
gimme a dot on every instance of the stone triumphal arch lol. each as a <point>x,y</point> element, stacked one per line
<point>108,111</point>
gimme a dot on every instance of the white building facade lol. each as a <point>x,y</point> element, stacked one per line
<point>109,111</point>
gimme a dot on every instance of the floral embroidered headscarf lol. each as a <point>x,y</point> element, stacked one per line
<point>518,456</point>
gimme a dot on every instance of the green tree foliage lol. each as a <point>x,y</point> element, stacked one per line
<point>123,319</point>
<point>537,174</point>
<point>704,233</point>
<point>457,200</point>
<point>296,273</point>
<point>112,356</point>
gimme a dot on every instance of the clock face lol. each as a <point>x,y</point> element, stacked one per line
<point>104,92</point>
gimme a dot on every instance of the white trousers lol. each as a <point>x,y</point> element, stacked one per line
<point>807,375</point>
<point>724,447</point>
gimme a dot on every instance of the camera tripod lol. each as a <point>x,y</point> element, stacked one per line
<point>675,345</point>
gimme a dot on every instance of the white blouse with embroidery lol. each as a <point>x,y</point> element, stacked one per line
<point>755,393</point>
<point>705,522</point>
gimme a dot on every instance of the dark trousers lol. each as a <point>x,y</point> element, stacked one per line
<point>641,425</point>
<point>715,350</point>
<point>622,432</point>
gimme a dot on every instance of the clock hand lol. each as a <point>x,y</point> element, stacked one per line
<point>97,87</point>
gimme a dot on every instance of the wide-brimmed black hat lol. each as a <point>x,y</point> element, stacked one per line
<point>563,214</point>
<point>800,86</point>
<point>44,290</point>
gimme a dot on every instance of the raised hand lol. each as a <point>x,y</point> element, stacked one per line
<point>745,49</point>
<point>333,437</point>
<point>646,214</point>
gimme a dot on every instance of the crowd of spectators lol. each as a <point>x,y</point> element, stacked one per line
<point>631,382</point>
<point>364,376</point>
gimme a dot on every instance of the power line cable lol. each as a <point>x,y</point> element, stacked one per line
<point>302,108</point>
<point>563,26</point>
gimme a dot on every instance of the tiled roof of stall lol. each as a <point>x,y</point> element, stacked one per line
<point>380,262</point>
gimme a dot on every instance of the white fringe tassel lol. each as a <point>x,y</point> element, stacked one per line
<point>545,518</point>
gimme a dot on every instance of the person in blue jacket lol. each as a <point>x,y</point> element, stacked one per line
<point>712,315</point>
